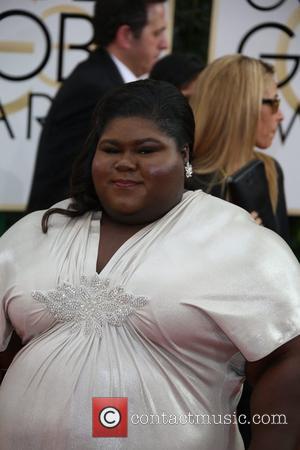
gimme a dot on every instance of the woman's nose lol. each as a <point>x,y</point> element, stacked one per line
<point>280,115</point>
<point>126,162</point>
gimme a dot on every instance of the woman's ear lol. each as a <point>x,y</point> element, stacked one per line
<point>185,153</point>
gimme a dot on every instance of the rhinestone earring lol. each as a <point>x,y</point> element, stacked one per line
<point>188,169</point>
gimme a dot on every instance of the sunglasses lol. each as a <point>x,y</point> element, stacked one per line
<point>273,102</point>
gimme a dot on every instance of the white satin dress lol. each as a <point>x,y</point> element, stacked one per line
<point>168,323</point>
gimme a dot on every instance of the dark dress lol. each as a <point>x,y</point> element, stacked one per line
<point>204,182</point>
<point>67,126</point>
<point>281,217</point>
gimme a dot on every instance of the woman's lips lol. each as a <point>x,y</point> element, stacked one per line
<point>125,184</point>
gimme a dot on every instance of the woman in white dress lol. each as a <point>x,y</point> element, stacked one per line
<point>135,289</point>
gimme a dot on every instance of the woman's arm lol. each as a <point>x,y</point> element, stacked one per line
<point>276,394</point>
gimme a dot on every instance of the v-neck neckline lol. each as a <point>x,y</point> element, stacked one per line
<point>121,250</point>
<point>95,236</point>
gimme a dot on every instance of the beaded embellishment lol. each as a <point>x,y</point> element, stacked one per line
<point>90,305</point>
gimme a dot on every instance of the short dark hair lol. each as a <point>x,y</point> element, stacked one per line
<point>158,101</point>
<point>177,69</point>
<point>109,15</point>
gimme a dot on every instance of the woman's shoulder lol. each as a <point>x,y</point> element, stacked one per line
<point>30,225</point>
<point>214,208</point>
<point>272,160</point>
<point>225,216</point>
<point>31,221</point>
<point>233,227</point>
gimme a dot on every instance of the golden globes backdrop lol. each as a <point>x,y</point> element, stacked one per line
<point>268,29</point>
<point>41,42</point>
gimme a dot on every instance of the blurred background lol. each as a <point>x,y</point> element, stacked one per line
<point>196,30</point>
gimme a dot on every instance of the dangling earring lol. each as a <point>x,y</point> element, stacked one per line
<point>188,169</point>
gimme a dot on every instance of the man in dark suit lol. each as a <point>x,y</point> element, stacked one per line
<point>130,35</point>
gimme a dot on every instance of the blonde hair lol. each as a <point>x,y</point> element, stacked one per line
<point>226,105</point>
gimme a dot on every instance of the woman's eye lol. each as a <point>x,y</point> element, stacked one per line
<point>110,150</point>
<point>146,150</point>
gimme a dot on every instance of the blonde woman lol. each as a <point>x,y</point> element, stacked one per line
<point>236,108</point>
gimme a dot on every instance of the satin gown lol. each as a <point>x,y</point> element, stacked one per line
<point>168,323</point>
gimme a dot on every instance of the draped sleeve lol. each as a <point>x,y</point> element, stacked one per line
<point>6,274</point>
<point>252,289</point>
<point>30,260</point>
<point>18,256</point>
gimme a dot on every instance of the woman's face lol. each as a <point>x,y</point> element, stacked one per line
<point>137,170</point>
<point>268,120</point>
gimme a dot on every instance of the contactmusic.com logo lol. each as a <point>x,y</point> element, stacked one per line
<point>110,417</point>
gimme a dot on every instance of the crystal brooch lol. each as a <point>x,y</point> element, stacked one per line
<point>90,305</point>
